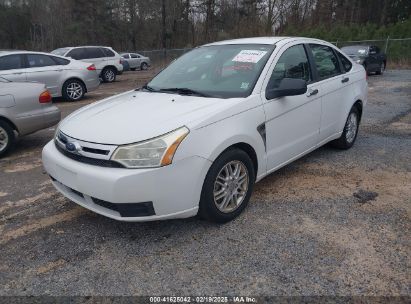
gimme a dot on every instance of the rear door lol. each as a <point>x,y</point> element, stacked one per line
<point>335,84</point>
<point>136,61</point>
<point>96,56</point>
<point>43,69</point>
<point>292,122</point>
<point>12,67</point>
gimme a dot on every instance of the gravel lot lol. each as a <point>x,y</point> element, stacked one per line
<point>331,223</point>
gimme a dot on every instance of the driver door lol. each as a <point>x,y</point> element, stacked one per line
<point>292,122</point>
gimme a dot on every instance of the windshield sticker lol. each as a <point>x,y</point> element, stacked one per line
<point>244,85</point>
<point>249,56</point>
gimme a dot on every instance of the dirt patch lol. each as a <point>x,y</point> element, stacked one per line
<point>364,196</point>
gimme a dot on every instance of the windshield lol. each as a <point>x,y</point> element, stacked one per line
<point>60,52</point>
<point>223,71</point>
<point>355,50</point>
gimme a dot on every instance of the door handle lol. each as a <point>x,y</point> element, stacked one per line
<point>345,79</point>
<point>312,93</point>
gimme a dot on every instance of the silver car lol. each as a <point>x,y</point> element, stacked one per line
<point>24,108</point>
<point>64,77</point>
<point>136,61</point>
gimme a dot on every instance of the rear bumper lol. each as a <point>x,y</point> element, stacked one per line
<point>34,123</point>
<point>92,84</point>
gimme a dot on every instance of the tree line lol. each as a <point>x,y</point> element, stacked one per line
<point>157,24</point>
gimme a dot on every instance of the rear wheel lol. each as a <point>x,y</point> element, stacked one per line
<point>73,90</point>
<point>109,74</point>
<point>227,187</point>
<point>350,131</point>
<point>7,137</point>
<point>144,66</point>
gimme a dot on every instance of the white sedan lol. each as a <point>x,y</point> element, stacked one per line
<point>196,138</point>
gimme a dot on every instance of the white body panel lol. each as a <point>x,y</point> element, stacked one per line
<point>295,125</point>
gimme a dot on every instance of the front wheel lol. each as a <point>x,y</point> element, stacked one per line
<point>109,75</point>
<point>350,131</point>
<point>7,138</point>
<point>227,187</point>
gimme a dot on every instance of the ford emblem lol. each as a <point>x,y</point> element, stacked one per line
<point>71,147</point>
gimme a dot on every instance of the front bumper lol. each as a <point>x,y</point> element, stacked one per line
<point>174,190</point>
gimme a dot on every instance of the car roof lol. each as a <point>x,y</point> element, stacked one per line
<point>85,46</point>
<point>266,40</point>
<point>15,52</point>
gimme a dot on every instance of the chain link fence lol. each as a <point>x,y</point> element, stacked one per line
<point>398,52</point>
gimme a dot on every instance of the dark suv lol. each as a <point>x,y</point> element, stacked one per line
<point>370,56</point>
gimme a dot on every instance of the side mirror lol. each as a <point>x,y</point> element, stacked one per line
<point>288,87</point>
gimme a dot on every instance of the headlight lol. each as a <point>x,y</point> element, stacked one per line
<point>154,152</point>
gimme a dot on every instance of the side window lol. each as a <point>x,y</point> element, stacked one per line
<point>108,53</point>
<point>325,61</point>
<point>77,54</point>
<point>125,56</point>
<point>60,61</point>
<point>10,62</point>
<point>347,65</point>
<point>293,63</point>
<point>134,56</point>
<point>38,61</point>
<point>92,53</point>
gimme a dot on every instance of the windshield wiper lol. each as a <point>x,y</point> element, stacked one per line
<point>185,91</point>
<point>148,88</point>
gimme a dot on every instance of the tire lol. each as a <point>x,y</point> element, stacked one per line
<point>381,69</point>
<point>217,184</point>
<point>144,66</point>
<point>73,90</point>
<point>7,138</point>
<point>348,138</point>
<point>109,74</point>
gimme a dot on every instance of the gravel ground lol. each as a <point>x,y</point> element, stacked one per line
<point>331,223</point>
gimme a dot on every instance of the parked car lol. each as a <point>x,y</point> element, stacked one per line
<point>62,76</point>
<point>106,60</point>
<point>24,108</point>
<point>126,66</point>
<point>370,56</point>
<point>136,61</point>
<point>196,138</point>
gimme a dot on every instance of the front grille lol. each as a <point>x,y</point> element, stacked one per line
<point>129,209</point>
<point>89,160</point>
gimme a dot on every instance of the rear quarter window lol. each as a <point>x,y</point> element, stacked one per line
<point>108,52</point>
<point>60,61</point>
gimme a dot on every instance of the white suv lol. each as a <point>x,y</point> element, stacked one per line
<point>107,61</point>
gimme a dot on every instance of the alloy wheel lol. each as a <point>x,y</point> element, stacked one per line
<point>4,139</point>
<point>74,91</point>
<point>352,126</point>
<point>231,186</point>
<point>109,75</point>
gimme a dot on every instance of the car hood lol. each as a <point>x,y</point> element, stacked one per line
<point>135,116</point>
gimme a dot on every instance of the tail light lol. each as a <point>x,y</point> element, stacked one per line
<point>91,67</point>
<point>45,97</point>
